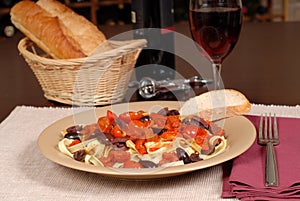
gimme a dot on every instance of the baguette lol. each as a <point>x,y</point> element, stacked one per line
<point>217,104</point>
<point>79,28</point>
<point>57,30</point>
<point>44,30</point>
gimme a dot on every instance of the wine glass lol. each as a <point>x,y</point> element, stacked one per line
<point>215,25</point>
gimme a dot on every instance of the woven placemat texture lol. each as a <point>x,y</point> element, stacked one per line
<point>25,174</point>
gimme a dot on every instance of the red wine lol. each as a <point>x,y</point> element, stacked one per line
<point>216,30</point>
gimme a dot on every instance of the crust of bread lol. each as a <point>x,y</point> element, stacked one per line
<point>44,30</point>
<point>88,36</point>
<point>217,104</point>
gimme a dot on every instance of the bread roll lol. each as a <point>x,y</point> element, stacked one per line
<point>217,104</point>
<point>79,28</point>
<point>58,30</point>
<point>44,30</point>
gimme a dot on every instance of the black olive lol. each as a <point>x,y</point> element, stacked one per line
<point>195,121</point>
<point>209,151</point>
<point>182,155</point>
<point>201,121</point>
<point>158,131</point>
<point>195,157</point>
<point>120,146</point>
<point>215,129</point>
<point>73,136</point>
<point>187,121</point>
<point>74,129</point>
<point>145,118</point>
<point>173,113</point>
<point>164,111</point>
<point>148,164</point>
<point>119,139</point>
<point>79,155</point>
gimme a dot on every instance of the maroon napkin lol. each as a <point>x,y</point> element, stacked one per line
<point>244,177</point>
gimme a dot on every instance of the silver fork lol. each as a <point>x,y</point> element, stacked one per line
<point>266,137</point>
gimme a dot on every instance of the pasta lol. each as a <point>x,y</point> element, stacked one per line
<point>143,140</point>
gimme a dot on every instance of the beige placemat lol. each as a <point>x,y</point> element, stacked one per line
<point>26,175</point>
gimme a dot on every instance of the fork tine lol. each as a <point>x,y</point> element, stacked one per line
<point>265,137</point>
<point>266,127</point>
<point>260,128</point>
<point>275,128</point>
<point>270,127</point>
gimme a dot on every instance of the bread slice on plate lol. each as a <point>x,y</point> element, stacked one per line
<point>217,104</point>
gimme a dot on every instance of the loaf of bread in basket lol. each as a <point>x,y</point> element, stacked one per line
<point>57,30</point>
<point>77,64</point>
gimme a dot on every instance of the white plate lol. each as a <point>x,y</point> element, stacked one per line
<point>239,131</point>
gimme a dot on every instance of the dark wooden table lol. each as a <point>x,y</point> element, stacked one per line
<point>264,66</point>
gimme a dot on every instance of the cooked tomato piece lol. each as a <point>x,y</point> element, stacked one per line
<point>192,131</point>
<point>158,120</point>
<point>168,158</point>
<point>117,132</point>
<point>132,164</point>
<point>201,137</point>
<point>111,116</point>
<point>104,124</point>
<point>172,122</point>
<point>152,149</point>
<point>154,138</point>
<point>125,117</point>
<point>136,115</point>
<point>129,116</point>
<point>139,145</point>
<point>138,123</point>
<point>169,135</point>
<point>119,156</point>
<point>74,142</point>
<point>107,161</point>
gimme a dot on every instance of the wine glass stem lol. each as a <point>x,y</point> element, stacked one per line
<point>217,75</point>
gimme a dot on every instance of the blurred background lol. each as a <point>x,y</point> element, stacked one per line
<point>118,12</point>
<point>268,43</point>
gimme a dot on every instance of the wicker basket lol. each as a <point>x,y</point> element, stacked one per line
<point>100,79</point>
